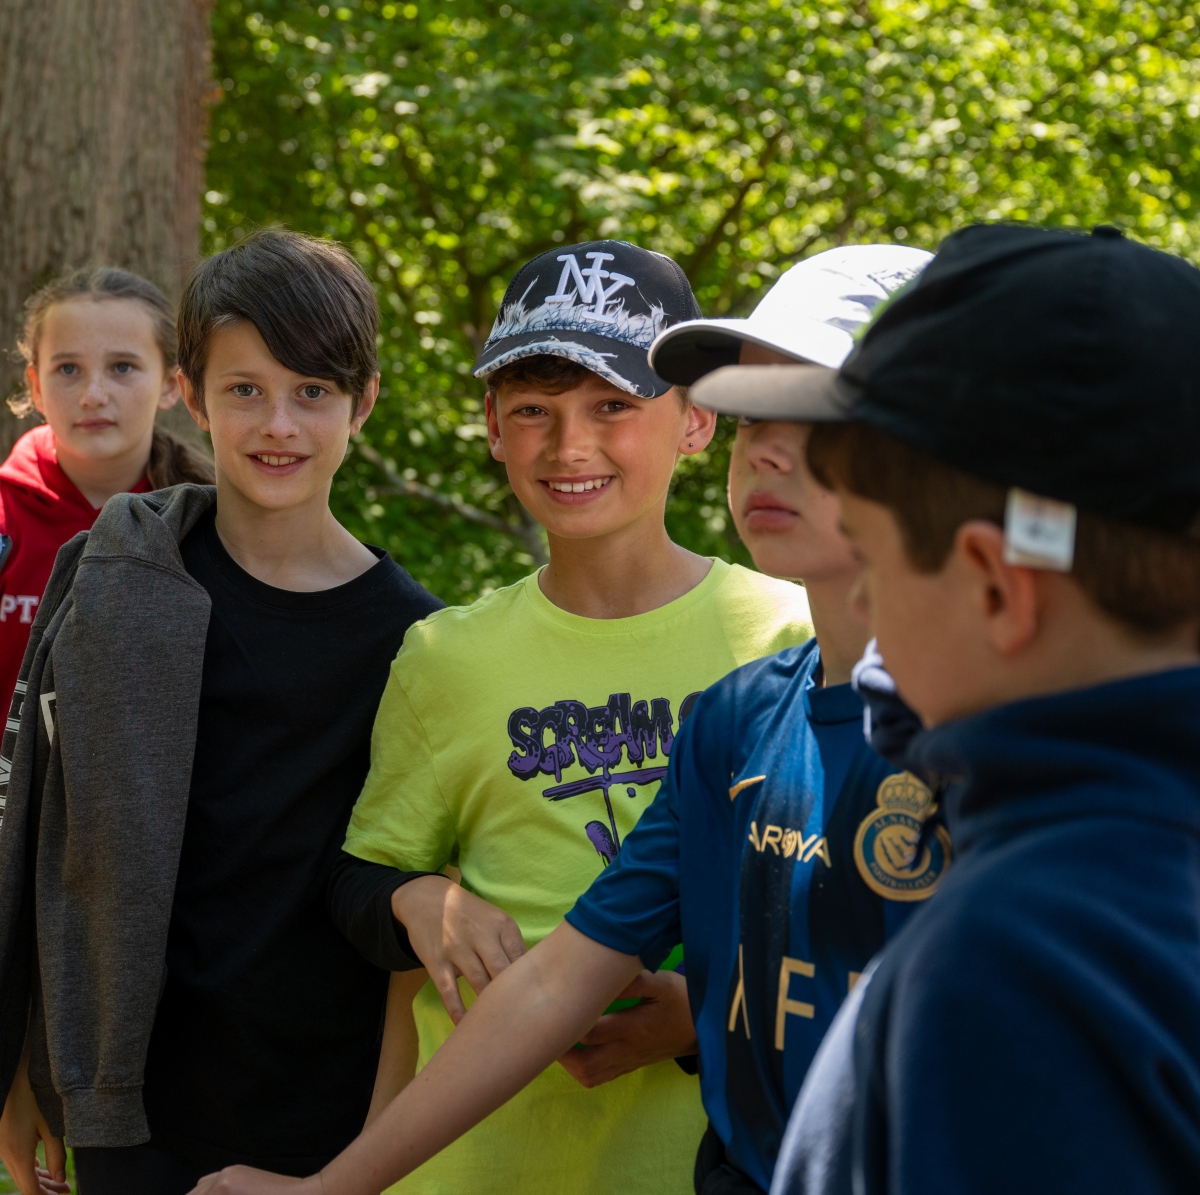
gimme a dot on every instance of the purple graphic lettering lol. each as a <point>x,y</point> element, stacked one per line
<point>550,740</point>
<point>557,754</point>
<point>567,722</point>
<point>603,743</point>
<point>526,761</point>
<point>648,725</point>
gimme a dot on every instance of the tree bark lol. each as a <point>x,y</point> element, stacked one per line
<point>103,117</point>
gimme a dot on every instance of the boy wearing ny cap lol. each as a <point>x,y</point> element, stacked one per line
<point>748,854</point>
<point>1016,450</point>
<point>521,738</point>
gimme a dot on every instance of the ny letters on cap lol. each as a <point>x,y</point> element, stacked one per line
<point>599,304</point>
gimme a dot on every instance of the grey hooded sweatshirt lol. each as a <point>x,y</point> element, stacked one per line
<point>94,778</point>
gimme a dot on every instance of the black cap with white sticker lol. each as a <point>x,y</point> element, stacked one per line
<point>1061,365</point>
<point>600,304</point>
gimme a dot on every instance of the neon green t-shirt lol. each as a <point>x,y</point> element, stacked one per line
<point>521,743</point>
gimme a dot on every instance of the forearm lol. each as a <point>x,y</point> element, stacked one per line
<point>520,1024</point>
<point>400,1047</point>
<point>359,901</point>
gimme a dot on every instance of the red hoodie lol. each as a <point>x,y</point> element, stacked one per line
<point>40,509</point>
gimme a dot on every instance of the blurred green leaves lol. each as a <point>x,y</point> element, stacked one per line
<point>447,142</point>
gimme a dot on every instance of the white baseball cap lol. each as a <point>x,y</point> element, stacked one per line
<point>810,314</point>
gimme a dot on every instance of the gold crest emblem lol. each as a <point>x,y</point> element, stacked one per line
<point>886,845</point>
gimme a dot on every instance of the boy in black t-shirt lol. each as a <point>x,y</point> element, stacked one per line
<point>206,668</point>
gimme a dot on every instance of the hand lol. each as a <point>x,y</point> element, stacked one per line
<point>244,1180</point>
<point>455,933</point>
<point>655,1030</point>
<point>22,1126</point>
<point>52,1183</point>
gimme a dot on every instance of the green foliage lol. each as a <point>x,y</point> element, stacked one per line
<point>447,141</point>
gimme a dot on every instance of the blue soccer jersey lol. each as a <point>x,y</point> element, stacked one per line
<point>783,853</point>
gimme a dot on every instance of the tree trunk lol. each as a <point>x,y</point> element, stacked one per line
<point>103,115</point>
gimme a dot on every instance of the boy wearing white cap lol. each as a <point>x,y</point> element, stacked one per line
<point>825,874</point>
<point>809,316</point>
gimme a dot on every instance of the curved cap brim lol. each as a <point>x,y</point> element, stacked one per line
<point>624,365</point>
<point>702,348</point>
<point>790,393</point>
<point>686,352</point>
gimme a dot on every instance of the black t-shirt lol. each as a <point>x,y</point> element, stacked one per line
<point>266,1039</point>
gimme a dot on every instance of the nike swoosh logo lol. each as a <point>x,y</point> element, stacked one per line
<point>741,784</point>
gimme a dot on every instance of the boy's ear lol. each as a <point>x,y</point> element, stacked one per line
<point>366,405</point>
<point>1006,595</point>
<point>701,427</point>
<point>495,443</point>
<point>191,402</point>
<point>859,599</point>
<point>170,392</point>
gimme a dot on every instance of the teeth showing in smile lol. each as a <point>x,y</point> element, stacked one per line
<point>578,487</point>
<point>276,460</point>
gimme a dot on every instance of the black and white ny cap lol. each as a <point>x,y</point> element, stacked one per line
<point>600,304</point>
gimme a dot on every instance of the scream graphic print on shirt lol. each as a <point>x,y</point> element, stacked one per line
<point>522,743</point>
<point>599,738</point>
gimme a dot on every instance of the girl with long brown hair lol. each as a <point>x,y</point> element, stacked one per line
<point>99,350</point>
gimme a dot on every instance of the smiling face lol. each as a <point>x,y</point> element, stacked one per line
<point>278,437</point>
<point>592,460</point>
<point>99,378</point>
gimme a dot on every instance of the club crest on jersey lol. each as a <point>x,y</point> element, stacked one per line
<point>889,852</point>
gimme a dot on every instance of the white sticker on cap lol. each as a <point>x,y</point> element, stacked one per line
<point>1039,532</point>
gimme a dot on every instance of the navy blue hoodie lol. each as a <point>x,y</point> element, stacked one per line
<point>1036,1027</point>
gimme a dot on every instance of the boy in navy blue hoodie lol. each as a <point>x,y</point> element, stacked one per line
<point>1016,447</point>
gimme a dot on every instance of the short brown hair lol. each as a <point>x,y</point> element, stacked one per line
<point>546,374</point>
<point>1147,579</point>
<point>309,299</point>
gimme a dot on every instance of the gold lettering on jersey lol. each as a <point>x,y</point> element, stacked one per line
<point>739,998</point>
<point>788,842</point>
<point>895,857</point>
<point>798,1008</point>
<point>744,784</point>
<point>855,976</point>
